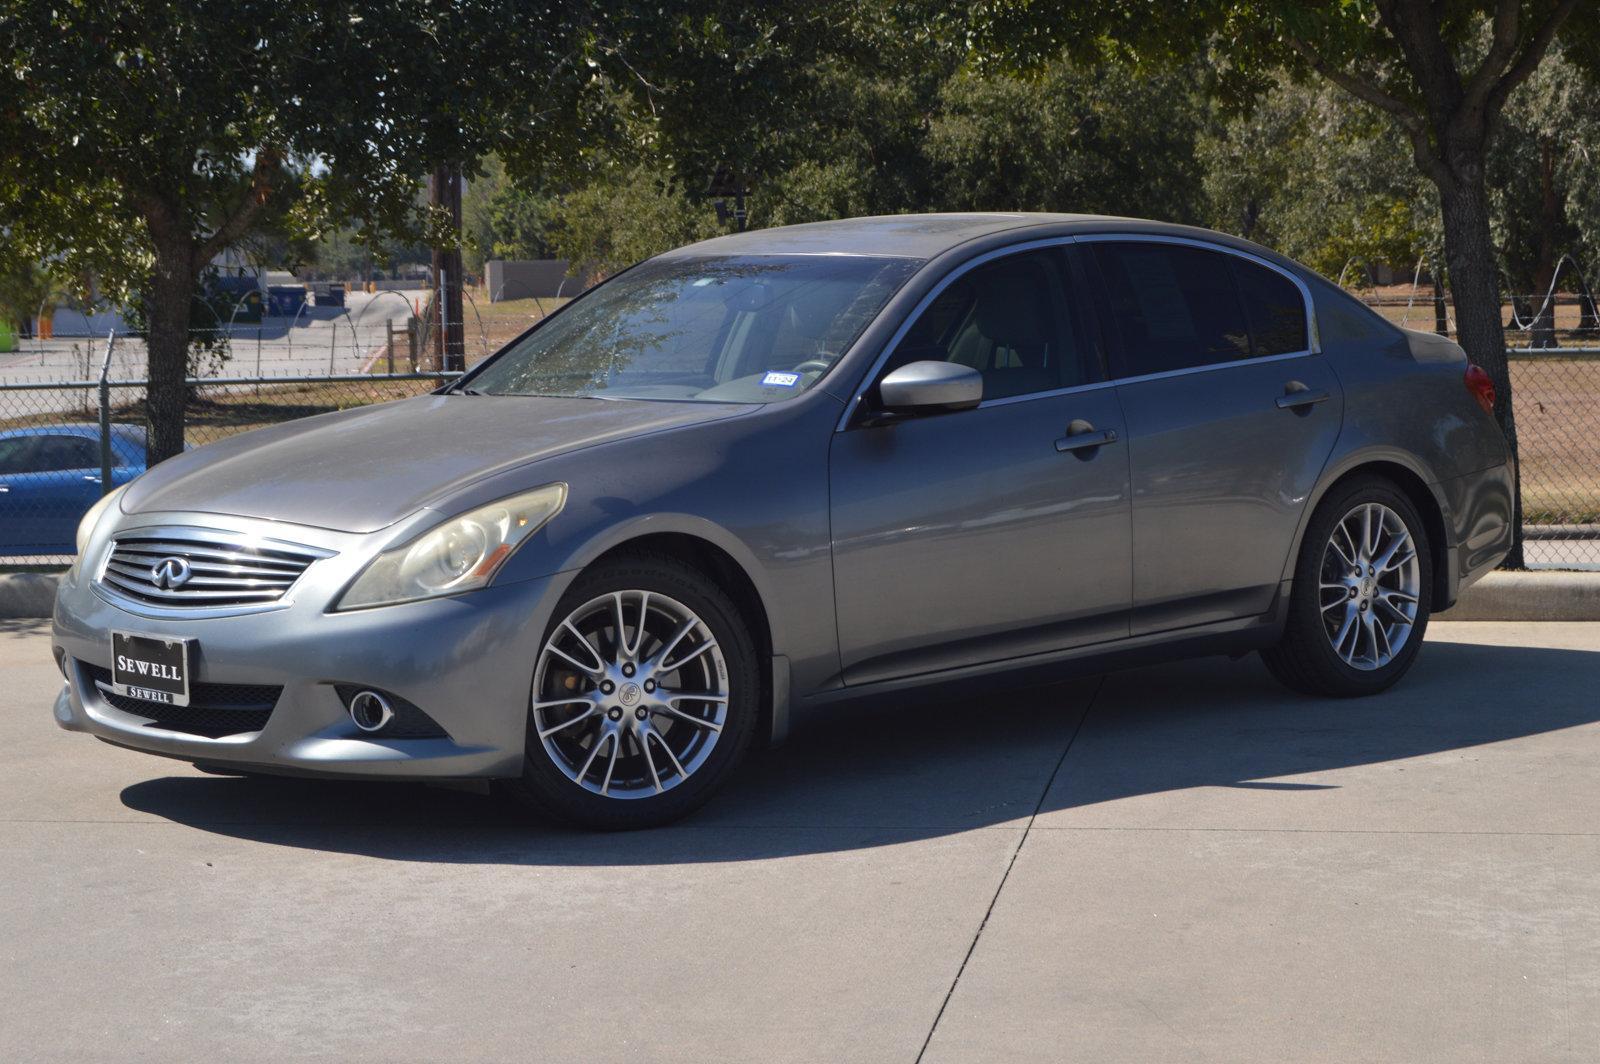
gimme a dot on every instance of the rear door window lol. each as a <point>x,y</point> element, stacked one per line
<point>1172,306</point>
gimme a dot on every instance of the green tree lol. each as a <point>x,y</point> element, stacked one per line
<point>1320,177</point>
<point>1440,70</point>
<point>620,218</point>
<point>1541,176</point>
<point>180,128</point>
<point>1092,137</point>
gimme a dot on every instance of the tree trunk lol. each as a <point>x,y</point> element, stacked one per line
<point>1475,288</point>
<point>167,306</point>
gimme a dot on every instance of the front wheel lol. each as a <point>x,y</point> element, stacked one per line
<point>645,697</point>
<point>1359,605</point>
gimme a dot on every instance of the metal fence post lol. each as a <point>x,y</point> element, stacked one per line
<point>105,415</point>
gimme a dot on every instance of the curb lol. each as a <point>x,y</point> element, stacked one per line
<point>1529,596</point>
<point>25,595</point>
<point>1499,596</point>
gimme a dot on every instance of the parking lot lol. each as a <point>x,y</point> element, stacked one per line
<point>1182,863</point>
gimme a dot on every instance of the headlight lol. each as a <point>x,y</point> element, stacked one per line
<point>463,553</point>
<point>90,519</point>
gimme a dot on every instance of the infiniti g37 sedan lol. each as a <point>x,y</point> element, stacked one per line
<point>774,470</point>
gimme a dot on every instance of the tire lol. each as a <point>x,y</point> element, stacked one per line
<point>1318,654</point>
<point>615,750</point>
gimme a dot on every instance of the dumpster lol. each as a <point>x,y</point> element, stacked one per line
<point>285,300</point>
<point>248,309</point>
<point>328,294</point>
<point>236,298</point>
<point>8,337</point>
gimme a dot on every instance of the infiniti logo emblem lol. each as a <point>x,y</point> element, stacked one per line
<point>170,573</point>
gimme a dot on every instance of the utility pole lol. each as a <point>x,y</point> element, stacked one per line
<point>444,191</point>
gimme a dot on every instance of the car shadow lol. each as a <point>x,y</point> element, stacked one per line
<point>921,768</point>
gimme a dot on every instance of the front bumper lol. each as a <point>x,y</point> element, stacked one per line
<point>467,661</point>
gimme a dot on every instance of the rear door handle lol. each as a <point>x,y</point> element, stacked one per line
<point>1296,396</point>
<point>92,480</point>
<point>1083,439</point>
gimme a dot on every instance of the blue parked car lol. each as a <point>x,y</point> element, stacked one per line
<point>50,476</point>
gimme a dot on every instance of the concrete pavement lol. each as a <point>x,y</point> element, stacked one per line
<point>1180,863</point>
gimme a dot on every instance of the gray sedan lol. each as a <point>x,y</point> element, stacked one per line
<point>771,471</point>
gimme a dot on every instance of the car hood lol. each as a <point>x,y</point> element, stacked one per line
<point>359,470</point>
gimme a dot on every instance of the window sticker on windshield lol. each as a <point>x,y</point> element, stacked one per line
<point>780,380</point>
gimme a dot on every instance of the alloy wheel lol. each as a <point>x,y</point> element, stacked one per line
<point>630,694</point>
<point>1369,586</point>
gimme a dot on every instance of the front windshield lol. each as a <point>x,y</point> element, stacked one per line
<point>726,329</point>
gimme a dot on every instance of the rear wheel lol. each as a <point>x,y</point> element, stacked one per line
<point>1360,605</point>
<point>645,697</point>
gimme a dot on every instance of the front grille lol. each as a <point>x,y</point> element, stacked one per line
<point>215,569</point>
<point>214,709</point>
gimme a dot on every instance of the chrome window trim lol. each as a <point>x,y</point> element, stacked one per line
<point>1312,333</point>
<point>220,537</point>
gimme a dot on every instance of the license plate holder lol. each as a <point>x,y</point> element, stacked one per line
<point>154,668</point>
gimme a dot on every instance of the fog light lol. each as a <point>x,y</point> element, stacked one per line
<point>370,710</point>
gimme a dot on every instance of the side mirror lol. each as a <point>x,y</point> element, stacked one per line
<point>929,386</point>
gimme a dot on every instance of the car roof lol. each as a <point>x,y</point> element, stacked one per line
<point>925,236</point>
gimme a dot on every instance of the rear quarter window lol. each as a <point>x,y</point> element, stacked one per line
<point>1275,307</point>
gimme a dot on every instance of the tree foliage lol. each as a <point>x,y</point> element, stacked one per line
<point>141,139</point>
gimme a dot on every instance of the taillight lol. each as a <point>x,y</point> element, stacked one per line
<point>1481,386</point>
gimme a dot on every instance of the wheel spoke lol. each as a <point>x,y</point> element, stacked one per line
<point>649,760</point>
<point>1387,560</point>
<point>621,623</point>
<point>1388,603</point>
<point>700,722</point>
<point>1350,614</point>
<point>709,644</point>
<point>676,764</point>
<point>639,633</point>
<point>1381,634</point>
<point>672,644</point>
<point>587,670</point>
<point>611,765</point>
<point>587,714</point>
<point>583,641</point>
<point>594,751</point>
<point>1333,541</point>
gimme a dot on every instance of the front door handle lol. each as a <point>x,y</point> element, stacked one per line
<point>1082,436</point>
<point>1298,397</point>
<point>5,489</point>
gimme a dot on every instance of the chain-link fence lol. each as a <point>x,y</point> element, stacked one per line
<point>55,457</point>
<point>63,443</point>
<point>386,331</point>
<point>1556,399</point>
